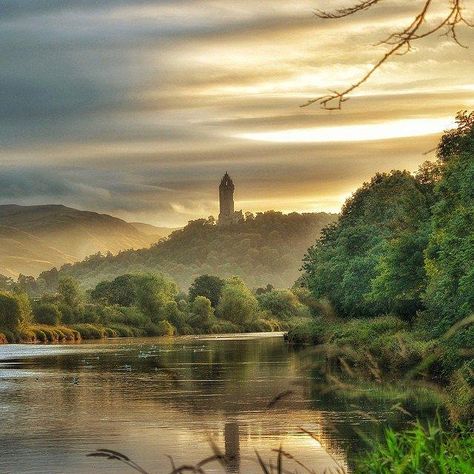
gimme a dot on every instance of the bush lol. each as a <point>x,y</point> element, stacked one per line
<point>237,303</point>
<point>15,311</point>
<point>165,329</point>
<point>89,331</point>
<point>310,331</point>
<point>262,325</point>
<point>428,450</point>
<point>358,332</point>
<point>47,313</point>
<point>225,327</point>
<point>461,393</point>
<point>122,330</point>
<point>399,351</point>
<point>281,304</point>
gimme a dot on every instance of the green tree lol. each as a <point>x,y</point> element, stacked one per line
<point>153,294</point>
<point>6,283</point>
<point>351,264</point>
<point>121,291</point>
<point>237,304</point>
<point>401,277</point>
<point>202,314</point>
<point>209,286</point>
<point>459,139</point>
<point>174,315</point>
<point>47,313</point>
<point>450,253</point>
<point>282,304</point>
<point>15,311</point>
<point>68,289</point>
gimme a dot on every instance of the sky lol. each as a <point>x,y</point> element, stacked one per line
<point>136,108</point>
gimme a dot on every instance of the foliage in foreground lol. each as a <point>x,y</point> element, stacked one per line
<point>422,450</point>
<point>417,450</point>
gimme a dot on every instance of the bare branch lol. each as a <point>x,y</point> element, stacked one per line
<point>343,12</point>
<point>400,42</point>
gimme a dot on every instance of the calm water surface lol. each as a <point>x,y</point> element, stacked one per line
<point>153,398</point>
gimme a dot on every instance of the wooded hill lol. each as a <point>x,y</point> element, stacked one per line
<point>261,249</point>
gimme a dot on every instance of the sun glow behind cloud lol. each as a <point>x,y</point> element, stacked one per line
<point>355,133</point>
<point>136,108</point>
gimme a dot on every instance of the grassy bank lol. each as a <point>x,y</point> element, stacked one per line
<point>386,348</point>
<point>427,449</point>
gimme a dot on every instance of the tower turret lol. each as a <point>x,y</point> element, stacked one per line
<point>226,200</point>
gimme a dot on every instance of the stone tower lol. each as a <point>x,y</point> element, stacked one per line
<point>226,200</point>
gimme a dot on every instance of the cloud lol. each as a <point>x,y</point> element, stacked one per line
<point>136,107</point>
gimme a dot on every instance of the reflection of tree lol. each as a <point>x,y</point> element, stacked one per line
<point>367,409</point>
<point>399,42</point>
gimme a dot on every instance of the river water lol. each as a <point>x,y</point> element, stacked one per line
<point>154,398</point>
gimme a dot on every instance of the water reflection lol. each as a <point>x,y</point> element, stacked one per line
<point>232,446</point>
<point>156,397</point>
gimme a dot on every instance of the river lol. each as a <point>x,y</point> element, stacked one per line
<point>158,397</point>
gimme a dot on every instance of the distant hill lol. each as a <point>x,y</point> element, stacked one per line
<point>153,230</point>
<point>36,238</point>
<point>267,248</point>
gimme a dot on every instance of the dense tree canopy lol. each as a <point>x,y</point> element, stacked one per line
<point>450,253</point>
<point>352,263</point>
<point>237,304</point>
<point>404,244</point>
<point>15,311</point>
<point>209,286</point>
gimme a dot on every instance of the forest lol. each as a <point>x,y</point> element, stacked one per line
<point>261,249</point>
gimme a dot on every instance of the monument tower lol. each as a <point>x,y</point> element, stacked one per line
<point>226,200</point>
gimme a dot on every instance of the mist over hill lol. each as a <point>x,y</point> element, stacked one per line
<point>261,249</point>
<point>36,238</point>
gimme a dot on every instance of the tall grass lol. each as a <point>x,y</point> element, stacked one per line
<point>429,450</point>
<point>419,450</point>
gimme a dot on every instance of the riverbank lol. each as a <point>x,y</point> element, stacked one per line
<point>43,334</point>
<point>386,348</point>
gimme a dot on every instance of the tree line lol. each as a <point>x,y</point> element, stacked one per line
<point>148,304</point>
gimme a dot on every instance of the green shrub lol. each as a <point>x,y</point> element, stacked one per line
<point>358,332</point>
<point>89,331</point>
<point>122,330</point>
<point>237,303</point>
<point>259,325</point>
<point>310,331</point>
<point>165,329</point>
<point>454,351</point>
<point>47,313</point>
<point>15,311</point>
<point>281,304</point>
<point>225,327</point>
<point>11,337</point>
<point>26,334</point>
<point>398,351</point>
<point>461,393</point>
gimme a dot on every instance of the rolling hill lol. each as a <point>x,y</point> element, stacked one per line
<point>266,248</point>
<point>36,238</point>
